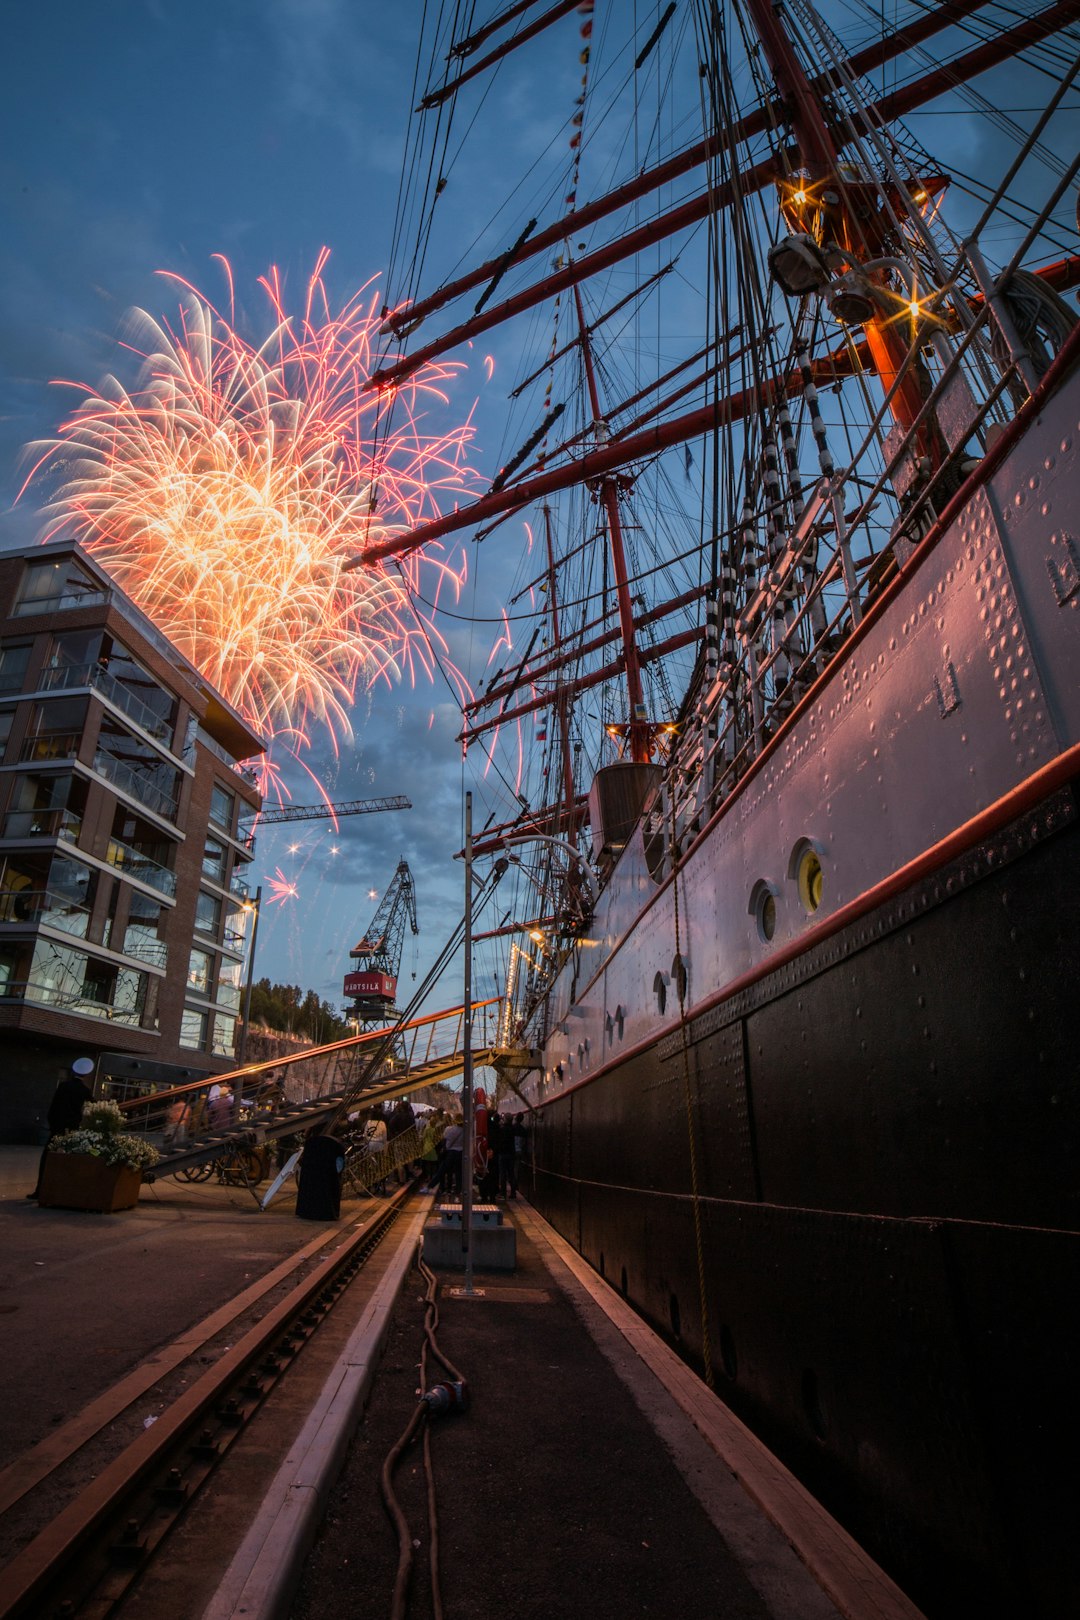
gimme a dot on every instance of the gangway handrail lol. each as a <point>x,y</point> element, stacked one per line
<point>349,1043</point>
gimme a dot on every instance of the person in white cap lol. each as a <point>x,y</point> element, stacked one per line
<point>65,1110</point>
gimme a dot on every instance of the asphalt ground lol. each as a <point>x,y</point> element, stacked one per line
<point>575,1480</point>
<point>84,1298</point>
<point>572,1485</point>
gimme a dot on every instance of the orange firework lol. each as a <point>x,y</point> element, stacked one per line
<point>225,491</point>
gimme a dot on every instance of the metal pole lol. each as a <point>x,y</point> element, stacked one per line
<point>241,1051</point>
<point>467,1065</point>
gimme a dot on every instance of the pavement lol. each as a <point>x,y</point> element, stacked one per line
<point>592,1473</point>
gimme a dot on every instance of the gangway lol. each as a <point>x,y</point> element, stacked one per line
<point>338,1078</point>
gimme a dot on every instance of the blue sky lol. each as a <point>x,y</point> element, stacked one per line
<point>141,135</point>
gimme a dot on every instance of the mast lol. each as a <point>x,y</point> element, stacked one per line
<point>833,203</point>
<point>562,713</point>
<point>638,725</point>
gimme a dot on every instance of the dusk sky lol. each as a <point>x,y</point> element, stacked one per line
<point>140,136</point>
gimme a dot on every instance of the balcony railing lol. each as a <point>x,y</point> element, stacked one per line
<point>51,746</point>
<point>83,1002</point>
<point>92,675</point>
<point>44,906</point>
<point>62,603</point>
<point>43,824</point>
<point>140,867</point>
<point>138,787</point>
<point>146,949</point>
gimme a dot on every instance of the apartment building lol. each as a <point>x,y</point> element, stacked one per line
<point>125,912</point>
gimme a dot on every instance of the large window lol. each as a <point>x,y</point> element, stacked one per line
<point>14,658</point>
<point>207,915</point>
<point>193,1028</point>
<point>222,807</point>
<point>230,980</point>
<point>73,982</point>
<point>200,973</point>
<point>7,720</point>
<point>136,768</point>
<point>213,862</point>
<point>56,729</point>
<point>224,1035</point>
<point>143,935</point>
<point>48,587</point>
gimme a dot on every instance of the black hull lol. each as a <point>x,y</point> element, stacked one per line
<point>885,1134</point>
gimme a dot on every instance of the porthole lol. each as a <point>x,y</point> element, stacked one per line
<point>678,976</point>
<point>659,985</point>
<point>763,909</point>
<point>810,880</point>
<point>805,868</point>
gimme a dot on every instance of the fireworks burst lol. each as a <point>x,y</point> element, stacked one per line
<point>282,888</point>
<point>227,489</point>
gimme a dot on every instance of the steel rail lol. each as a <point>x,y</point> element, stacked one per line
<point>161,1471</point>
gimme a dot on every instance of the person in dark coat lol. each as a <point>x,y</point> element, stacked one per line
<point>65,1111</point>
<point>401,1120</point>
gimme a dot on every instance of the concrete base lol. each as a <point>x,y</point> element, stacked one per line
<point>494,1248</point>
<point>482,1215</point>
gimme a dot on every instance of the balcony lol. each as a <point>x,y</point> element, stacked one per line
<point>145,947</point>
<point>132,864</point>
<point>44,907</point>
<point>51,746</point>
<point>137,787</point>
<point>62,603</point>
<point>43,824</point>
<point>84,1003</point>
<point>93,676</point>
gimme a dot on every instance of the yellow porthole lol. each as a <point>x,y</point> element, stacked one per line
<point>810,880</point>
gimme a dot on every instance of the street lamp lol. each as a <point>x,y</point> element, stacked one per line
<point>254,906</point>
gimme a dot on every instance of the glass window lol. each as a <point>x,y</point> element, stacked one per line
<point>200,971</point>
<point>207,914</point>
<point>142,937</point>
<point>13,662</point>
<point>7,720</point>
<point>129,996</point>
<point>9,969</point>
<point>193,1028</point>
<point>47,586</point>
<point>78,649</point>
<point>224,1035</point>
<point>230,983</point>
<point>222,804</point>
<point>213,863</point>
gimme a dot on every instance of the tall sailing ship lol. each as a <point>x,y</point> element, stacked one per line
<point>795,733</point>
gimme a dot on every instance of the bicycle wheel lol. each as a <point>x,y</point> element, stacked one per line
<point>241,1168</point>
<point>195,1172</point>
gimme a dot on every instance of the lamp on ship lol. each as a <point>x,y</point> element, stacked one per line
<point>850,299</point>
<point>798,266</point>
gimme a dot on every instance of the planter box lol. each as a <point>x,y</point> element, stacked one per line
<point>81,1181</point>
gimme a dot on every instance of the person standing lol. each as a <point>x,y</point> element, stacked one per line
<point>65,1111</point>
<point>220,1113</point>
<point>454,1145</point>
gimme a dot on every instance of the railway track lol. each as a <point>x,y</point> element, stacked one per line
<point>86,1560</point>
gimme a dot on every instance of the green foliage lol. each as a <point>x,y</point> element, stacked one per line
<point>100,1134</point>
<point>292,1011</point>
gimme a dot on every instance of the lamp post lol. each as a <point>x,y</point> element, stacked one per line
<point>241,1050</point>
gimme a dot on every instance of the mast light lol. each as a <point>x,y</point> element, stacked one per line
<point>797,265</point>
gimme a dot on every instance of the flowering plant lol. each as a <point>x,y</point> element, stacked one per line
<point>99,1134</point>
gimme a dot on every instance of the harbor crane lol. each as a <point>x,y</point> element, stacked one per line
<point>372,983</point>
<point>330,812</point>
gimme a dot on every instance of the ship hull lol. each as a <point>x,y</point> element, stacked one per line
<point>882,1136</point>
